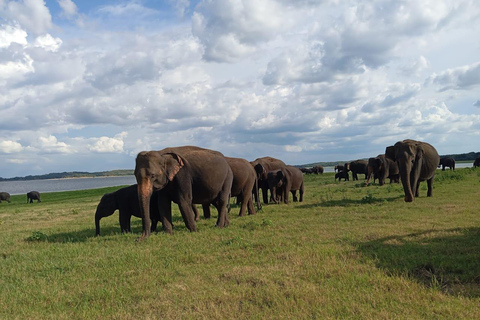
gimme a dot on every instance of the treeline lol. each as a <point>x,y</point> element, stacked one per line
<point>75,174</point>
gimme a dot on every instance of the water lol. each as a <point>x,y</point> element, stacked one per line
<point>53,185</point>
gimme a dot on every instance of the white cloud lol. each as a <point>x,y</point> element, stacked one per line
<point>69,8</point>
<point>459,78</point>
<point>32,15</point>
<point>12,34</point>
<point>8,146</point>
<point>108,145</point>
<point>48,42</point>
<point>50,144</point>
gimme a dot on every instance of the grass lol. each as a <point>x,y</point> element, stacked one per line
<point>347,252</point>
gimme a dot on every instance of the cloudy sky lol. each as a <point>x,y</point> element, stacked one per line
<point>86,85</point>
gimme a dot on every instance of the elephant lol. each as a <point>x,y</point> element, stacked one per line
<point>476,163</point>
<point>447,162</point>
<point>342,174</point>
<point>417,161</point>
<point>125,200</point>
<point>306,170</point>
<point>244,181</point>
<point>382,168</point>
<point>357,167</point>
<point>33,195</point>
<point>5,196</point>
<point>339,168</point>
<point>262,166</point>
<point>285,180</point>
<point>189,175</point>
<point>318,169</point>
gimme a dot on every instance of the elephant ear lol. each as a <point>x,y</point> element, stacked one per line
<point>390,152</point>
<point>420,152</point>
<point>280,175</point>
<point>173,164</point>
<point>259,169</point>
<point>378,162</point>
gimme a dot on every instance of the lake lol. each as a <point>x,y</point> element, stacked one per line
<point>53,185</point>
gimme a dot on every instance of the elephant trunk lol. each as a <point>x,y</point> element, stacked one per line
<point>405,173</point>
<point>97,224</point>
<point>369,174</point>
<point>145,189</point>
<point>257,196</point>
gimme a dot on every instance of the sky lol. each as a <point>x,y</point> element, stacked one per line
<point>86,85</point>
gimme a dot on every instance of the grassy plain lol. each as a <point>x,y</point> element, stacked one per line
<point>346,252</point>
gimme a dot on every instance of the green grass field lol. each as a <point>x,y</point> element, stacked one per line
<point>346,252</point>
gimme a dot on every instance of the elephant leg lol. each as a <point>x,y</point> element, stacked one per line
<point>221,205</point>
<point>207,214</point>
<point>195,212</point>
<point>165,210</point>
<point>243,205</point>
<point>250,206</point>
<point>417,188</point>
<point>124,219</point>
<point>430,187</point>
<point>265,194</point>
<point>188,215</point>
<point>294,195</point>
<point>301,192</point>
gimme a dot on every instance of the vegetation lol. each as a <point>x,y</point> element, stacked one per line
<point>348,251</point>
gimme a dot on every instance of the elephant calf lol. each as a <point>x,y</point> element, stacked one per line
<point>126,201</point>
<point>287,179</point>
<point>342,174</point>
<point>33,195</point>
<point>5,196</point>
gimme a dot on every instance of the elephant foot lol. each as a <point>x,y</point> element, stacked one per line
<point>408,199</point>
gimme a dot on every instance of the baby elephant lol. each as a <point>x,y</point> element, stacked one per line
<point>33,195</point>
<point>5,196</point>
<point>126,201</point>
<point>282,182</point>
<point>343,174</point>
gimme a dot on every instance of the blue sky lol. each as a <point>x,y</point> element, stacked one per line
<point>86,85</point>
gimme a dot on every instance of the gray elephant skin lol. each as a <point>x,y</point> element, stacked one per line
<point>357,167</point>
<point>417,161</point>
<point>244,185</point>
<point>284,181</point>
<point>262,166</point>
<point>189,175</point>
<point>33,195</point>
<point>4,196</point>
<point>125,200</point>
<point>382,168</point>
<point>342,174</point>
<point>447,162</point>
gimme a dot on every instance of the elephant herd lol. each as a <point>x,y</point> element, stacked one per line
<point>32,195</point>
<point>191,175</point>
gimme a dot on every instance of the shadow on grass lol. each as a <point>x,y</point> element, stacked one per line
<point>350,202</point>
<point>447,260</point>
<point>84,235</point>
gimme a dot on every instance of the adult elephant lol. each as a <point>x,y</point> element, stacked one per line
<point>262,166</point>
<point>189,175</point>
<point>33,195</point>
<point>447,162</point>
<point>125,200</point>
<point>357,167</point>
<point>285,180</point>
<point>4,196</point>
<point>318,169</point>
<point>417,161</point>
<point>476,163</point>
<point>382,168</point>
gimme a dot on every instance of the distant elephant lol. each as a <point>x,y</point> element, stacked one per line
<point>262,166</point>
<point>382,168</point>
<point>342,174</point>
<point>125,200</point>
<point>189,175</point>
<point>33,195</point>
<point>417,161</point>
<point>306,170</point>
<point>447,162</point>
<point>476,163</point>
<point>5,196</point>
<point>339,168</point>
<point>318,169</point>
<point>357,167</point>
<point>244,181</point>
<point>287,179</point>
